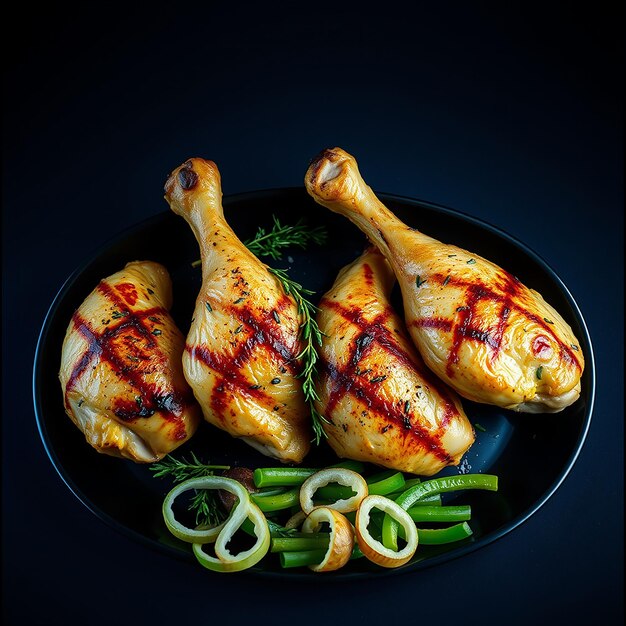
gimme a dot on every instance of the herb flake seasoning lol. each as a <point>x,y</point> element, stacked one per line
<point>480,427</point>
<point>447,280</point>
<point>471,261</point>
<point>209,308</point>
<point>539,372</point>
<point>418,281</point>
<point>156,331</point>
<point>547,321</point>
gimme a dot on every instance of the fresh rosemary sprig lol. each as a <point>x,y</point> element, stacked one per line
<point>204,503</point>
<point>311,336</point>
<point>270,244</point>
<point>282,236</point>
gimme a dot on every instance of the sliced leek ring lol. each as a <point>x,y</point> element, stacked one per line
<point>373,549</point>
<point>345,477</point>
<point>227,562</point>
<point>295,521</point>
<point>204,535</point>
<point>341,540</point>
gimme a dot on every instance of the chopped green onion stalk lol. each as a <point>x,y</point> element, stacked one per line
<point>437,536</point>
<point>440,513</point>
<point>288,544</point>
<point>431,487</point>
<point>294,476</point>
<point>301,559</point>
<point>276,502</point>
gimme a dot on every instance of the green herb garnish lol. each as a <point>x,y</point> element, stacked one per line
<point>311,336</point>
<point>282,236</point>
<point>204,503</point>
<point>418,281</point>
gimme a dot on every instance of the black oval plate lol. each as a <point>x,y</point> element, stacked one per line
<point>531,454</point>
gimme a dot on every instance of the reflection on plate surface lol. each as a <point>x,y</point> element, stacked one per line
<point>531,454</point>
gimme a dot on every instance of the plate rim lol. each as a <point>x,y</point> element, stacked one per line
<point>340,575</point>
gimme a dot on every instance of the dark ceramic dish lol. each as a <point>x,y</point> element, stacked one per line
<point>531,454</point>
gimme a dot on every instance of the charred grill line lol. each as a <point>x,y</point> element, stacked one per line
<point>98,344</point>
<point>430,442</point>
<point>230,369</point>
<point>387,342</point>
<point>463,328</point>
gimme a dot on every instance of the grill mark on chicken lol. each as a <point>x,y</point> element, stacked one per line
<point>464,327</point>
<point>144,358</point>
<point>362,345</point>
<point>368,275</point>
<point>91,354</point>
<point>343,383</point>
<point>259,333</point>
<point>151,399</point>
<point>124,311</point>
<point>128,292</point>
<point>228,375</point>
<point>384,339</point>
<point>263,335</point>
<point>431,442</point>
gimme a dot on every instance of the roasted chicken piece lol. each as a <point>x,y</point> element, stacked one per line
<point>477,327</point>
<point>121,370</point>
<point>241,352</point>
<point>383,404</point>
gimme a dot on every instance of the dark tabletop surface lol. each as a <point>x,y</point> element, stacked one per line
<point>512,116</point>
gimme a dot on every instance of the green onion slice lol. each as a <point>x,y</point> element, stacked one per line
<point>202,534</point>
<point>345,477</point>
<point>227,562</point>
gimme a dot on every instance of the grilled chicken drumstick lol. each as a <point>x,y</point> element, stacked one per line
<point>477,327</point>
<point>383,404</point>
<point>241,352</point>
<point>121,370</point>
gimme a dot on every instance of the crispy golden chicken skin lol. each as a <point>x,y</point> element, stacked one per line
<point>241,351</point>
<point>383,404</point>
<point>477,327</point>
<point>121,370</point>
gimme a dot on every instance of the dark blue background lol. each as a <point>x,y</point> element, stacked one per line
<point>514,116</point>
